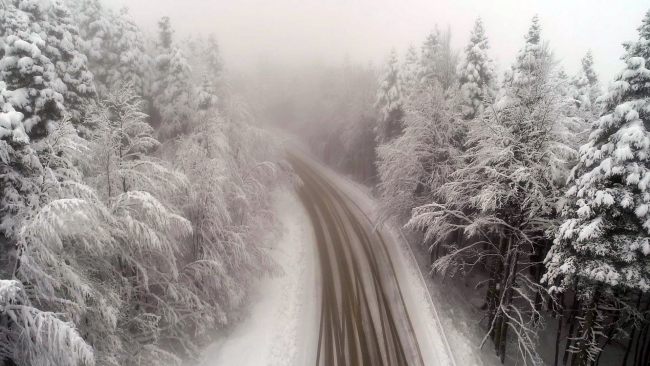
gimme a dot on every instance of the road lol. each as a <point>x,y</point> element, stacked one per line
<point>363,318</point>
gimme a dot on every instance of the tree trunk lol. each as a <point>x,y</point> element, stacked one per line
<point>512,274</point>
<point>492,296</point>
<point>629,344</point>
<point>572,319</point>
<point>590,321</point>
<point>640,340</point>
<point>558,338</point>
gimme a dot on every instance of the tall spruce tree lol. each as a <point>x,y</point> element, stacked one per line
<point>410,68</point>
<point>603,245</point>
<point>390,100</point>
<point>476,73</point>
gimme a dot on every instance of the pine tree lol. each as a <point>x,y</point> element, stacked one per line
<point>439,61</point>
<point>584,90</point>
<point>134,63</point>
<point>476,73</point>
<point>63,49</point>
<point>97,30</point>
<point>415,165</point>
<point>410,71</point>
<point>390,101</point>
<point>32,85</point>
<point>19,194</point>
<point>602,246</point>
<point>60,82</point>
<point>173,91</point>
<point>166,33</point>
<point>503,198</point>
<point>213,62</point>
<point>431,50</point>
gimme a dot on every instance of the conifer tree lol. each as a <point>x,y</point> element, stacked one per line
<point>431,50</point>
<point>172,90</point>
<point>390,101</point>
<point>64,50</point>
<point>32,85</point>
<point>476,73</point>
<point>602,246</point>
<point>42,35</point>
<point>503,198</point>
<point>410,71</point>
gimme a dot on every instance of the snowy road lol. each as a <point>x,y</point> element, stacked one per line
<point>368,315</point>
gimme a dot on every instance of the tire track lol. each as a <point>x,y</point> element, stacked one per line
<point>363,316</point>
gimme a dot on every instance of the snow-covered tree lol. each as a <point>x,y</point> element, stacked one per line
<point>428,61</point>
<point>476,73</point>
<point>134,64</point>
<point>166,33</point>
<point>60,81</point>
<point>32,85</point>
<point>19,194</point>
<point>63,49</point>
<point>115,47</point>
<point>410,70</point>
<point>173,92</point>
<point>213,62</point>
<point>504,198</point>
<point>602,246</point>
<point>121,144</point>
<point>414,166</point>
<point>439,60</point>
<point>583,92</point>
<point>390,100</point>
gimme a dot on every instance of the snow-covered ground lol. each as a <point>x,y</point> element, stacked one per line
<point>442,317</point>
<point>283,316</point>
<point>283,321</point>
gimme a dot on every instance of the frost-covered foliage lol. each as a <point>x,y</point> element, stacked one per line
<point>410,68</point>
<point>42,65</point>
<point>503,200</point>
<point>602,246</point>
<point>173,91</point>
<point>439,60</point>
<point>476,73</point>
<point>583,92</point>
<point>121,141</point>
<point>34,337</point>
<point>18,162</point>
<point>601,240</point>
<point>390,100</point>
<point>414,166</point>
<point>115,47</point>
<point>94,238</point>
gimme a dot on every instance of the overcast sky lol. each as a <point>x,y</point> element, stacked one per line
<point>298,31</point>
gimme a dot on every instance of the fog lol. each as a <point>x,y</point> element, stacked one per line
<point>295,32</point>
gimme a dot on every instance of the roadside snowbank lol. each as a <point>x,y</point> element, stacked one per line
<point>276,332</point>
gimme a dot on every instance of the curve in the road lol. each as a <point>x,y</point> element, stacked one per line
<point>363,317</point>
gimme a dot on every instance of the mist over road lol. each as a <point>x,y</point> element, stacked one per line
<point>364,319</point>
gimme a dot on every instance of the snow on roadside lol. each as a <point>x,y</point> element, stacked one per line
<point>420,291</point>
<point>272,334</point>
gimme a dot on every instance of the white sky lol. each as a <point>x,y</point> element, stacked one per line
<point>297,31</point>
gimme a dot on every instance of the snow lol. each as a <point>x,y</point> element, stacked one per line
<point>284,313</point>
<point>431,336</point>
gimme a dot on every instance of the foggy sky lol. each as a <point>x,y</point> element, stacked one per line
<point>294,32</point>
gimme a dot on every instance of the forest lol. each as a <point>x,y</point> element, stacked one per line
<point>534,180</point>
<point>137,179</point>
<point>134,193</point>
